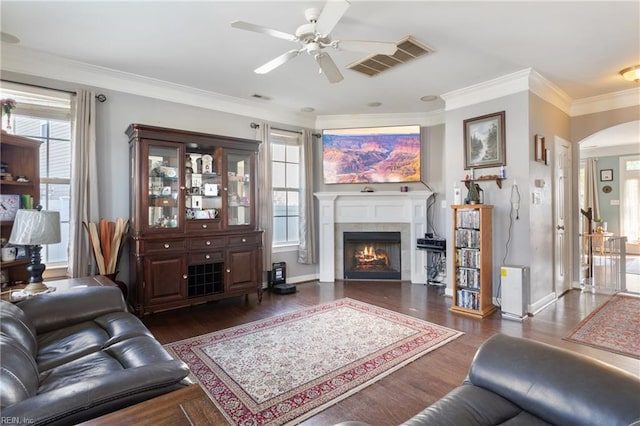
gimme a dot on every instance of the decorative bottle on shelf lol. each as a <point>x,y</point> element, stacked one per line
<point>503,173</point>
<point>473,197</point>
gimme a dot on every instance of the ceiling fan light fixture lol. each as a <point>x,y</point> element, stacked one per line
<point>631,73</point>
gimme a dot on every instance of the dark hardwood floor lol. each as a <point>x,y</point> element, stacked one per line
<point>407,391</point>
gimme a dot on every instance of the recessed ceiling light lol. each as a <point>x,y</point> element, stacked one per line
<point>374,104</point>
<point>9,38</point>
<point>429,98</point>
<point>307,109</point>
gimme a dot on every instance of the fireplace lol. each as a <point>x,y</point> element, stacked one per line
<point>372,255</point>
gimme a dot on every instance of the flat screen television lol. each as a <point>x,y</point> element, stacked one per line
<point>371,155</point>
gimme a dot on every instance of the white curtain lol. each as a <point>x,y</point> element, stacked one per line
<point>84,183</point>
<point>591,192</point>
<point>307,253</point>
<point>265,212</point>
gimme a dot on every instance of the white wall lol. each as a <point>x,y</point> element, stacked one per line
<point>516,107</point>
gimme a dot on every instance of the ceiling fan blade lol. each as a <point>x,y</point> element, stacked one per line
<point>377,47</point>
<point>263,30</point>
<point>275,63</point>
<point>329,68</point>
<point>330,15</point>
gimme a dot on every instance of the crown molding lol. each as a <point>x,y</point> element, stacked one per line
<point>594,104</point>
<point>549,92</point>
<point>32,62</point>
<point>424,119</point>
<point>531,80</point>
<point>487,90</point>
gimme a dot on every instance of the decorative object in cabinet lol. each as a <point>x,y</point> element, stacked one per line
<point>473,260</point>
<point>193,218</point>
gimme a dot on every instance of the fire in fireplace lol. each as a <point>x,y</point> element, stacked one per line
<point>372,255</point>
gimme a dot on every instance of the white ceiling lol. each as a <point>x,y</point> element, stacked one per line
<point>579,46</point>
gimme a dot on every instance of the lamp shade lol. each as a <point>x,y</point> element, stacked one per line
<point>35,227</point>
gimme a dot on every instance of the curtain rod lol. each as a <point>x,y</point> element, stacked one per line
<point>255,125</point>
<point>99,97</point>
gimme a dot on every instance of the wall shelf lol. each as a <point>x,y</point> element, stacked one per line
<point>484,179</point>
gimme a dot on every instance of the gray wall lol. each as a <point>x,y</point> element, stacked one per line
<point>548,121</point>
<point>518,149</point>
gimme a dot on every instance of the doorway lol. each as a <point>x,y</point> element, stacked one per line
<point>562,220</point>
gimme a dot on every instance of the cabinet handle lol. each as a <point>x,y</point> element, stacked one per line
<point>204,225</point>
<point>185,276</point>
<point>228,270</point>
<point>166,245</point>
<point>207,256</point>
<point>208,243</point>
<point>244,240</point>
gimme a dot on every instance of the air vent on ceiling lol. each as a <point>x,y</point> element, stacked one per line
<point>408,48</point>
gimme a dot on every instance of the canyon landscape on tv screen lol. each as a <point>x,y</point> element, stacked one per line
<point>371,155</point>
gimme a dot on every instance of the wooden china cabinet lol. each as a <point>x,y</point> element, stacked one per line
<point>194,212</point>
<point>20,158</point>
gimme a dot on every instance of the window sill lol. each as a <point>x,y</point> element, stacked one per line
<point>285,248</point>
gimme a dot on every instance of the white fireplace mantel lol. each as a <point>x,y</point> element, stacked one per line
<point>372,207</point>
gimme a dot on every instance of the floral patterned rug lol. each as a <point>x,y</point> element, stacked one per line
<point>284,369</point>
<point>614,326</point>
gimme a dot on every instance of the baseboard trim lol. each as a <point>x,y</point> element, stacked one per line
<point>538,306</point>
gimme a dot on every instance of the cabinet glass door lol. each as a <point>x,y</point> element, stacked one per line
<point>239,181</point>
<point>203,182</point>
<point>163,188</point>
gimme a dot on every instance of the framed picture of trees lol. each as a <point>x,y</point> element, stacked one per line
<point>484,141</point>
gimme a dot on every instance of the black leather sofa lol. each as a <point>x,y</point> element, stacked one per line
<point>73,356</point>
<point>515,381</point>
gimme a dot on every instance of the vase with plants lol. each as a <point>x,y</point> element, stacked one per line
<point>7,105</point>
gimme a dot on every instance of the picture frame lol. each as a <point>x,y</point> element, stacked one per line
<point>606,175</point>
<point>539,149</point>
<point>484,141</point>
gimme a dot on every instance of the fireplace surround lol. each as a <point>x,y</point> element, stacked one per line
<point>388,211</point>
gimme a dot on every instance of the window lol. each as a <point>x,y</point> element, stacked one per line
<point>45,115</point>
<point>285,175</point>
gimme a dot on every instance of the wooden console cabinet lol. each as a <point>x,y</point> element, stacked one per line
<point>194,211</point>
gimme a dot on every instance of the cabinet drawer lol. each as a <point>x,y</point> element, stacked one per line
<point>242,240</point>
<point>203,225</point>
<point>165,246</point>
<point>205,243</point>
<point>208,257</point>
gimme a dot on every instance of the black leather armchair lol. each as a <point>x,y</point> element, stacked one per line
<point>76,355</point>
<point>515,381</point>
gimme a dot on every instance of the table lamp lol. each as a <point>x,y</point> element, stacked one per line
<point>34,228</point>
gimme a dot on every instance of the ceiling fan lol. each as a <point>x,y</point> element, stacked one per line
<point>315,36</point>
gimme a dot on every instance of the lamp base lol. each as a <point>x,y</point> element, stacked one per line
<point>35,288</point>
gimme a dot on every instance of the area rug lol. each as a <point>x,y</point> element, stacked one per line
<point>287,368</point>
<point>614,326</point>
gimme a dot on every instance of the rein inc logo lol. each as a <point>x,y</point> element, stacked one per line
<point>6,420</point>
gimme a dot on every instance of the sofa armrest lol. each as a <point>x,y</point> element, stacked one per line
<point>557,385</point>
<point>57,310</point>
<point>100,395</point>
